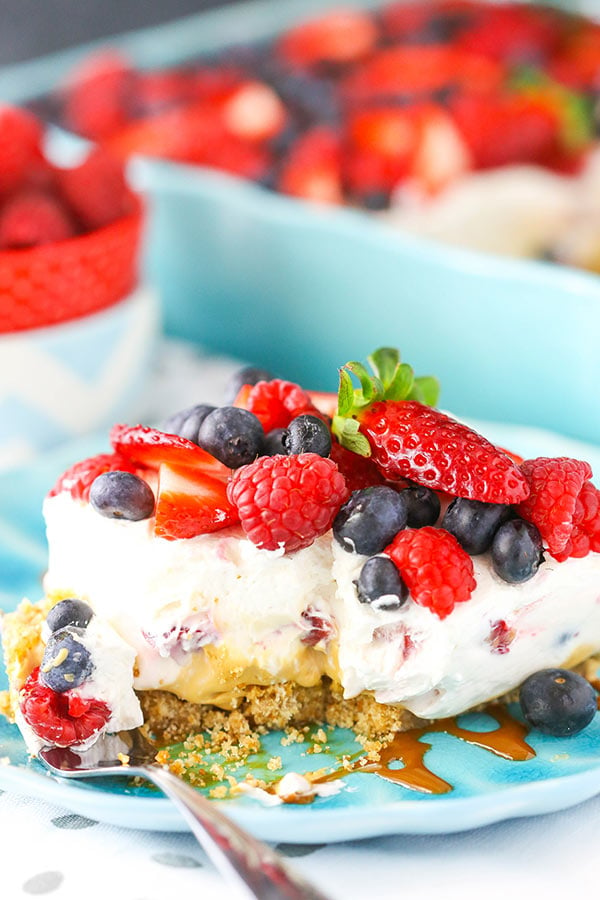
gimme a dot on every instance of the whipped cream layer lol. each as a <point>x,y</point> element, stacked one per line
<point>212,613</point>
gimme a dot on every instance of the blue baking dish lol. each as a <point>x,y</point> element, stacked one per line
<point>302,289</point>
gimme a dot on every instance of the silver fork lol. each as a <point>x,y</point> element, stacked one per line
<point>263,873</point>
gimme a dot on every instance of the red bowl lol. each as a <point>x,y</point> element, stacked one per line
<point>68,279</point>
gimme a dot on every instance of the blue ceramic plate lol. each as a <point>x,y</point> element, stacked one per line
<point>486,788</point>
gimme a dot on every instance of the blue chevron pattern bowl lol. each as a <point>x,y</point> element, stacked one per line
<point>75,378</point>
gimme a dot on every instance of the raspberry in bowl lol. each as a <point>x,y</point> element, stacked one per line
<point>375,564</point>
<point>69,246</point>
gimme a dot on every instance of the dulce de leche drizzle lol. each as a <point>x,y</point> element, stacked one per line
<point>507,740</point>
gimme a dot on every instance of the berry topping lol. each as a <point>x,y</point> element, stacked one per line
<point>308,434</point>
<point>249,375</point>
<point>66,663</point>
<point>79,478</point>
<point>381,584</point>
<point>474,523</point>
<point>187,422</point>
<point>340,36</point>
<point>287,501</point>
<point>69,612</point>
<point>149,447</point>
<point>585,536</point>
<point>558,702</point>
<point>359,471</point>
<point>437,571</point>
<point>122,495</point>
<point>233,436</point>
<point>516,551</point>
<point>388,419</point>
<point>369,520</point>
<point>555,486</point>
<point>313,167</point>
<point>21,138</point>
<point>190,502</point>
<point>32,218</point>
<point>274,444</point>
<point>422,506</point>
<point>61,719</point>
<point>275,403</point>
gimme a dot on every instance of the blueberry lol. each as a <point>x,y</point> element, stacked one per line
<point>474,523</point>
<point>69,612</point>
<point>66,663</point>
<point>557,702</point>
<point>308,434</point>
<point>516,551</point>
<point>381,584</point>
<point>186,422</point>
<point>274,443</point>
<point>369,520</point>
<point>247,375</point>
<point>122,495</point>
<point>422,506</point>
<point>234,436</point>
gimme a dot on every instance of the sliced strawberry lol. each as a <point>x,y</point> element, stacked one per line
<point>338,37</point>
<point>63,720</point>
<point>20,139</point>
<point>31,218</point>
<point>312,169</point>
<point>387,132</point>
<point>78,479</point>
<point>150,447</point>
<point>254,112</point>
<point>442,155</point>
<point>98,95</point>
<point>96,190</point>
<point>190,503</point>
<point>324,402</point>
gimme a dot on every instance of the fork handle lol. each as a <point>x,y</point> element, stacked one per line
<point>262,871</point>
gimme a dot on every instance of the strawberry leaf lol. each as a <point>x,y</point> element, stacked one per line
<point>401,385</point>
<point>366,380</point>
<point>426,389</point>
<point>349,436</point>
<point>345,394</point>
<point>384,363</point>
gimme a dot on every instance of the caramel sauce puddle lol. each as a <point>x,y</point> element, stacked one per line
<point>507,741</point>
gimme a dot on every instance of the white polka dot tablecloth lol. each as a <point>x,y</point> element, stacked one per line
<point>49,852</point>
<point>46,851</point>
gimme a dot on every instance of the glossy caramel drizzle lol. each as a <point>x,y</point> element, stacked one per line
<point>507,741</point>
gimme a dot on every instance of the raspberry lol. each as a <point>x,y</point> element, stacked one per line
<point>19,146</point>
<point>65,719</point>
<point>78,479</point>
<point>437,571</point>
<point>555,487</point>
<point>31,218</point>
<point>97,97</point>
<point>275,403</point>
<point>96,191</point>
<point>585,536</point>
<point>287,500</point>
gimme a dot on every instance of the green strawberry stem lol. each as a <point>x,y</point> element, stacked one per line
<point>389,379</point>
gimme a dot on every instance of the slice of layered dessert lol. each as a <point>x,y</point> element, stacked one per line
<point>364,560</point>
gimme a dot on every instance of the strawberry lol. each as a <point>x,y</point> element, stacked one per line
<point>157,91</point>
<point>442,154</point>
<point>502,129</point>
<point>576,63</point>
<point>65,719</point>
<point>78,479</point>
<point>388,421</point>
<point>254,112</point>
<point>31,218</point>
<point>436,569</point>
<point>338,37</point>
<point>359,471</point>
<point>325,402</point>
<point>287,501</point>
<point>514,33</point>
<point>20,139</point>
<point>556,486</point>
<point>149,447</point>
<point>97,96</point>
<point>189,502</point>
<point>95,190</point>
<point>312,168</point>
<point>60,281</point>
<point>419,71</point>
